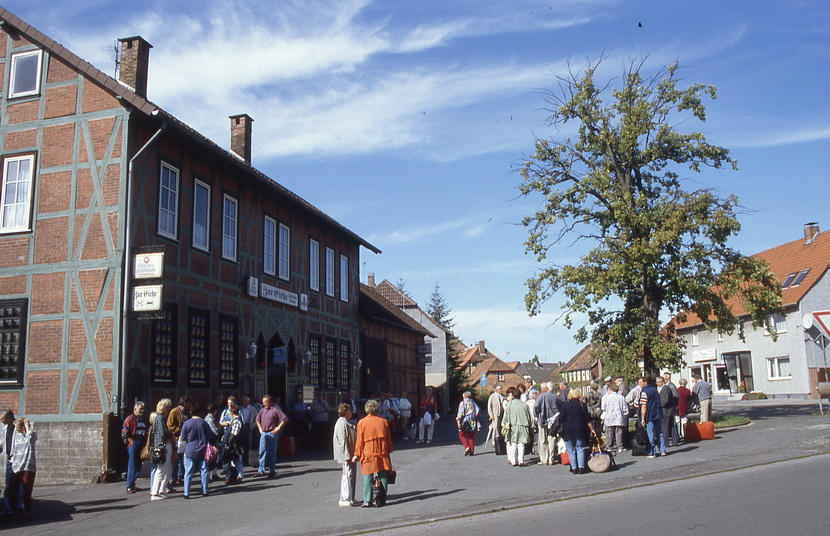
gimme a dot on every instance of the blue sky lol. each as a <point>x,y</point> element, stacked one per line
<point>405,120</point>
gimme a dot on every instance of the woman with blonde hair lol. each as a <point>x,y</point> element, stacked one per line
<point>372,449</point>
<point>161,450</point>
<point>576,430</point>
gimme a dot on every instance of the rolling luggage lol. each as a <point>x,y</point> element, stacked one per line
<point>639,443</point>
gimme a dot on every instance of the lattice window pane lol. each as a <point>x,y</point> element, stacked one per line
<point>163,368</point>
<point>331,364</point>
<point>198,348</point>
<point>12,341</point>
<point>314,365</point>
<point>345,365</point>
<point>229,336</point>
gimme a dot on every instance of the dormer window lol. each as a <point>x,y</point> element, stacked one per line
<point>801,275</point>
<point>25,74</point>
<point>789,280</point>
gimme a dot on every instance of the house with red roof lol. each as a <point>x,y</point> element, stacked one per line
<point>792,364</point>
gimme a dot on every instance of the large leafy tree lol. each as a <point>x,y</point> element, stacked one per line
<point>656,244</point>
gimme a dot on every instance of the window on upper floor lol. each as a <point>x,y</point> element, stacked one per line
<point>777,320</point>
<point>25,74</point>
<point>778,368</point>
<point>16,197</point>
<point>800,277</point>
<point>12,342</point>
<point>314,264</point>
<point>229,227</point>
<point>270,247</point>
<point>344,278</point>
<point>201,216</point>
<point>695,338</point>
<point>285,252</point>
<point>168,201</point>
<point>329,271</point>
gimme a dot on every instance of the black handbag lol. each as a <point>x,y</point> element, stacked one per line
<point>392,476</point>
<point>159,455</point>
<point>500,446</point>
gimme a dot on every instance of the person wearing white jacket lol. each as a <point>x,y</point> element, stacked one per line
<point>343,441</point>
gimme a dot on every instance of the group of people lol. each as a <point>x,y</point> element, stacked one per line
<point>17,453</point>
<point>182,440</point>
<point>558,416</point>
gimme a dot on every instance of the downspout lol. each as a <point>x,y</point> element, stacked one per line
<point>125,300</point>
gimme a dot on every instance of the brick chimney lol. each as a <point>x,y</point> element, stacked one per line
<point>241,135</point>
<point>811,231</point>
<point>134,64</point>
<point>371,282</point>
<point>481,349</point>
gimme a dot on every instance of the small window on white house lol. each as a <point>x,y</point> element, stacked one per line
<point>329,271</point>
<point>285,252</point>
<point>778,368</point>
<point>270,247</point>
<point>16,196</point>
<point>314,264</point>
<point>780,323</point>
<point>229,228</point>
<point>168,201</point>
<point>695,338</point>
<point>344,278</point>
<point>201,216</point>
<point>25,74</point>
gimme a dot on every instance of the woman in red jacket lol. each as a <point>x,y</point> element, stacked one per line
<point>372,449</point>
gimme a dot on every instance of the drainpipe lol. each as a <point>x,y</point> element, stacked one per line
<point>125,300</point>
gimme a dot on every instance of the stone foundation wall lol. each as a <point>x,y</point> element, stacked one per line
<point>68,452</point>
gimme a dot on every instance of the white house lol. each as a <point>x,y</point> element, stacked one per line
<point>788,367</point>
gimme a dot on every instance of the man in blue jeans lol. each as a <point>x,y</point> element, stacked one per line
<point>270,420</point>
<point>651,416</point>
<point>196,434</point>
<point>134,433</point>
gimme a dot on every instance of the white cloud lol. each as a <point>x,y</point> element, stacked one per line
<point>776,137</point>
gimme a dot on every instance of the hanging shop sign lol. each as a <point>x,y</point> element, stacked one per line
<point>148,266</point>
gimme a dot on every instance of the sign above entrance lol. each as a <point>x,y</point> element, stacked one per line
<point>270,292</point>
<point>148,266</point>
<point>704,355</point>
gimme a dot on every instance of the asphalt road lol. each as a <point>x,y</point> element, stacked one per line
<point>788,497</point>
<point>436,482</point>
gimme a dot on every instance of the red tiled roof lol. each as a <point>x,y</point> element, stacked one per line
<point>382,305</point>
<point>790,258</point>
<point>394,294</point>
<point>581,361</point>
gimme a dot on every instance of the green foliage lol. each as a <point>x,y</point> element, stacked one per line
<point>658,249</point>
<point>438,309</point>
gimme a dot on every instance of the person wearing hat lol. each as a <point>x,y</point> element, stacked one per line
<point>605,385</point>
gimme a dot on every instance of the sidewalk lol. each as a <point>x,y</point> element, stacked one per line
<point>434,481</point>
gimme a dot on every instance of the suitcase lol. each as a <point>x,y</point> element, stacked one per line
<point>697,431</point>
<point>500,445</point>
<point>286,446</point>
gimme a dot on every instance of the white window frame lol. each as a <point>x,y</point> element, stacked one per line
<point>269,250</point>
<point>779,321</point>
<point>168,212</point>
<point>16,204</point>
<point>314,264</point>
<point>201,242</point>
<point>230,227</point>
<point>284,262</point>
<point>344,278</point>
<point>13,74</point>
<point>774,368</point>
<point>329,272</point>
<point>695,338</point>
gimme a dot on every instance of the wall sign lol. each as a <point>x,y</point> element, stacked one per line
<point>147,298</point>
<point>148,265</point>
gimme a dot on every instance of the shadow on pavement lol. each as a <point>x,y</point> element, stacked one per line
<point>421,495</point>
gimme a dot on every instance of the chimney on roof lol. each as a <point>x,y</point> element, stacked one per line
<point>811,231</point>
<point>134,64</point>
<point>481,349</point>
<point>241,136</point>
<point>371,282</point>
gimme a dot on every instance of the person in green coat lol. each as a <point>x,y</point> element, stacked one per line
<point>516,427</point>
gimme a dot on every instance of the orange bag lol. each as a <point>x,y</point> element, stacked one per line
<point>697,431</point>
